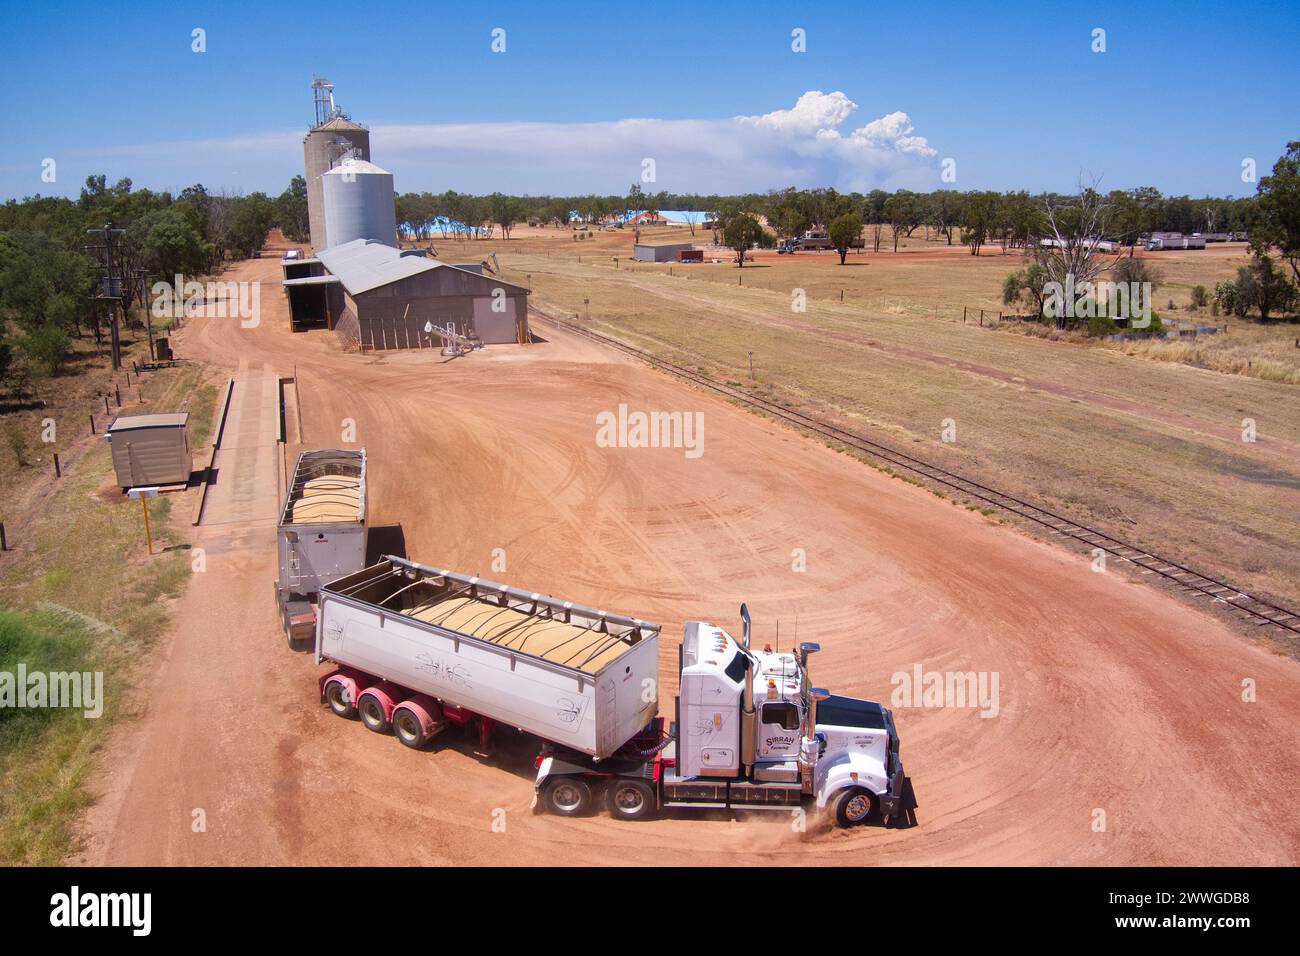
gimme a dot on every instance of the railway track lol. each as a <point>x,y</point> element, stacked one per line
<point>1259,612</point>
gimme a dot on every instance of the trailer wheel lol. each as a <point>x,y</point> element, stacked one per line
<point>854,806</point>
<point>630,799</point>
<point>567,796</point>
<point>372,714</point>
<point>336,697</point>
<point>408,727</point>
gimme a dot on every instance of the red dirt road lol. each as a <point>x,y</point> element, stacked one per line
<point>1117,703</point>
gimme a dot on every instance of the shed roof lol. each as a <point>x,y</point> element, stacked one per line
<point>161,420</point>
<point>365,264</point>
<point>312,280</point>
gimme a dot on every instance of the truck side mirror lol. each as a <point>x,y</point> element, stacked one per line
<point>744,620</point>
<point>807,648</point>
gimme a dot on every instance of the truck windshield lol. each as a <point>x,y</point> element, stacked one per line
<point>847,712</point>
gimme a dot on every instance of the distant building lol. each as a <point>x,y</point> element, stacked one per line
<point>645,252</point>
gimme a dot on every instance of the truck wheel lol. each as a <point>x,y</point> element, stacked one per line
<point>631,799</point>
<point>372,715</point>
<point>854,806</point>
<point>408,728</point>
<point>336,697</point>
<point>567,796</point>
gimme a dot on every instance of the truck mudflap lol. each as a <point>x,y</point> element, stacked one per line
<point>891,801</point>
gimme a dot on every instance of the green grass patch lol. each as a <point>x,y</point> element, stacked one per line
<point>44,751</point>
<point>82,595</point>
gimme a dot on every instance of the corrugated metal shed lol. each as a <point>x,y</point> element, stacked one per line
<point>150,449</point>
<point>312,280</point>
<point>645,252</point>
<point>365,264</point>
<point>162,419</point>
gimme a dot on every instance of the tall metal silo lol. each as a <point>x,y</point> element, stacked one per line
<point>333,138</point>
<point>358,198</point>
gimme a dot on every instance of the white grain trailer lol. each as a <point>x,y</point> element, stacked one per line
<point>419,649</point>
<point>1165,243</point>
<point>322,532</point>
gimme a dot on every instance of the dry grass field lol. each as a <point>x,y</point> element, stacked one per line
<point>930,279</point>
<point>1152,451</point>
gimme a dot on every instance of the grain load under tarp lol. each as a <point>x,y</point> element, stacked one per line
<point>328,498</point>
<point>322,528</point>
<point>571,644</point>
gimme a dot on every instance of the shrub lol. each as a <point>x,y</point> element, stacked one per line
<point>1200,297</point>
<point>1102,325</point>
<point>17,442</point>
<point>1226,298</point>
<point>47,347</point>
<point>1129,270</point>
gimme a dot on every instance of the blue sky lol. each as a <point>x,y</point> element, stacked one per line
<point>1011,92</point>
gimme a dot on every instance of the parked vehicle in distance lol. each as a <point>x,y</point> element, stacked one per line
<point>417,650</point>
<point>815,239</point>
<point>321,534</point>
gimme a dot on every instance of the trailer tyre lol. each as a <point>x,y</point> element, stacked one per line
<point>854,806</point>
<point>631,799</point>
<point>372,714</point>
<point>409,728</point>
<point>568,796</point>
<point>336,695</point>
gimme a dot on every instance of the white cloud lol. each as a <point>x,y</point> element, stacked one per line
<point>806,145</point>
<point>814,112</point>
<point>802,146</point>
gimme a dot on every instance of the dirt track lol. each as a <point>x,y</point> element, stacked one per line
<point>1113,696</point>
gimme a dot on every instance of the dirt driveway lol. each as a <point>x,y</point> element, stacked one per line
<point>1120,734</point>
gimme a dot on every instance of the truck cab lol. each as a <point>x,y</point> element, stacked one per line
<point>752,732</point>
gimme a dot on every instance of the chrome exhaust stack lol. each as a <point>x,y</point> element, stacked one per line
<point>748,716</point>
<point>809,747</point>
<point>806,650</point>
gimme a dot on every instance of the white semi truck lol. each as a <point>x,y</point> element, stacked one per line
<point>417,650</point>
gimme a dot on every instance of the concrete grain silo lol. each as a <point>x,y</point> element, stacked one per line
<point>358,200</point>
<point>330,140</point>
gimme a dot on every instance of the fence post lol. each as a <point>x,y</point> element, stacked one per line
<point>4,542</point>
<point>92,424</point>
<point>58,472</point>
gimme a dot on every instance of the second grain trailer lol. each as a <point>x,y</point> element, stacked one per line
<point>322,533</point>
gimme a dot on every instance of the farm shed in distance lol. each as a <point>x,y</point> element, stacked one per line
<point>150,449</point>
<point>645,252</point>
<point>375,296</point>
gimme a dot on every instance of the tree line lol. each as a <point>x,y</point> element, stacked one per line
<point>49,274</point>
<point>972,217</point>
